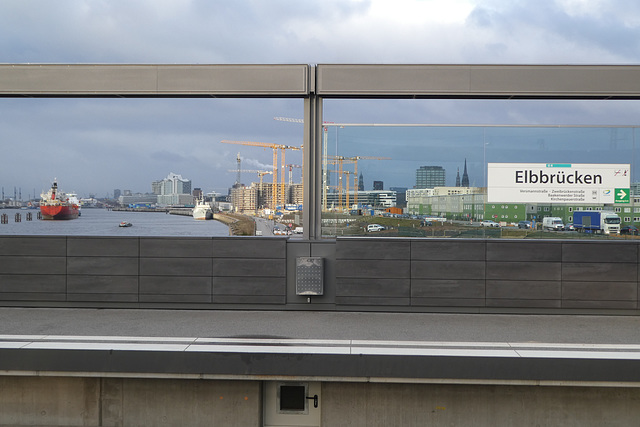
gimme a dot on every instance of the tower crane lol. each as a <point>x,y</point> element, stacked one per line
<point>239,161</point>
<point>278,196</point>
<point>341,161</point>
<point>261,174</point>
<point>291,172</point>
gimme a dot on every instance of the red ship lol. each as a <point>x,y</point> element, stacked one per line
<point>55,204</point>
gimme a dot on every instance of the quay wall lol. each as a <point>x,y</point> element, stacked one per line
<point>380,274</point>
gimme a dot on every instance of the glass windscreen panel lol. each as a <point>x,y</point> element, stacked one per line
<point>465,181</point>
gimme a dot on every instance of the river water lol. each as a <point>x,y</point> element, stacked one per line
<point>101,222</point>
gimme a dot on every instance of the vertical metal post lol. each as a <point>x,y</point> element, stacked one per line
<point>312,162</point>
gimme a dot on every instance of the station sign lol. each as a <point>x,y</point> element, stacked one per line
<point>558,183</point>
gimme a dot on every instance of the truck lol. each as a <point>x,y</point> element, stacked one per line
<point>553,223</point>
<point>601,222</point>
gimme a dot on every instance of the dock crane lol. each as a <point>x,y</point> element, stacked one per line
<point>278,193</point>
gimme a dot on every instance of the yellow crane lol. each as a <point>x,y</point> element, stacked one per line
<point>341,161</point>
<point>278,193</point>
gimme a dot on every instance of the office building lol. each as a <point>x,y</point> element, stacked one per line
<point>174,190</point>
<point>430,177</point>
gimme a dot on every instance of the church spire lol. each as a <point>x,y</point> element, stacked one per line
<point>465,176</point>
<point>458,178</point>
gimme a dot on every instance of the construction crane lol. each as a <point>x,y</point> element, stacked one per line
<point>288,119</point>
<point>239,161</point>
<point>278,193</point>
<point>341,161</point>
<point>261,175</point>
<point>291,172</point>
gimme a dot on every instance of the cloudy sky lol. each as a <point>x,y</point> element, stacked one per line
<point>95,146</point>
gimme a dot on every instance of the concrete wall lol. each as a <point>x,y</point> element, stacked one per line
<point>362,273</point>
<point>58,401</point>
<point>370,405</point>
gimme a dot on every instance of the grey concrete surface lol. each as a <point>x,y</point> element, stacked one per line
<point>322,325</point>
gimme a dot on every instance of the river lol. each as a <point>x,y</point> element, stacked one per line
<point>102,222</point>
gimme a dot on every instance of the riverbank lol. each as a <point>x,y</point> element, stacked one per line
<point>239,225</point>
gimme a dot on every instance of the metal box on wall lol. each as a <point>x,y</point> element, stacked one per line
<point>309,276</point>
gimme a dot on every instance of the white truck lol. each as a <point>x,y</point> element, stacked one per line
<point>601,222</point>
<point>552,223</point>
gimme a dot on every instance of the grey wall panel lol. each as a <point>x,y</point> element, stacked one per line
<point>524,251</point>
<point>249,248</point>
<point>102,266</point>
<point>607,291</point>
<point>372,301</point>
<point>106,298</point>
<point>28,245</point>
<point>102,246</point>
<point>249,267</point>
<point>447,302</point>
<point>175,299</point>
<point>601,251</point>
<point>386,269</point>
<point>175,266</point>
<point>250,299</point>
<point>474,270</point>
<point>435,288</point>
<point>84,284</point>
<point>192,247</point>
<point>450,249</point>
<point>373,249</point>
<point>32,265</point>
<point>599,271</point>
<point>527,289</point>
<point>175,285</point>
<point>373,287</point>
<point>53,283</point>
<point>249,286</point>
<point>523,303</point>
<point>600,305</point>
<point>35,297</point>
<point>524,270</point>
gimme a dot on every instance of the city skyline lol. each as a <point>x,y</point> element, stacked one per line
<point>94,145</point>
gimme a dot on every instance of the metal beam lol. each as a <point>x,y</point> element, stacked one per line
<point>479,81</point>
<point>86,80</point>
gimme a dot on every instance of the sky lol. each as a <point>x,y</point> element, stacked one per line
<point>93,146</point>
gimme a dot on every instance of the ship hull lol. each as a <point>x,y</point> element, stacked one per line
<point>202,213</point>
<point>59,212</point>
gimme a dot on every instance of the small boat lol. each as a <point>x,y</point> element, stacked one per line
<point>125,224</point>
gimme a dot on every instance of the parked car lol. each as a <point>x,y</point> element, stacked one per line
<point>524,224</point>
<point>374,227</point>
<point>629,229</point>
<point>569,227</point>
<point>489,223</point>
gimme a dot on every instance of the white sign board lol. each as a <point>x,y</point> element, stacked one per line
<point>558,183</point>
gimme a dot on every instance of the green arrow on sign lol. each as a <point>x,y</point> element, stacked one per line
<point>622,195</point>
